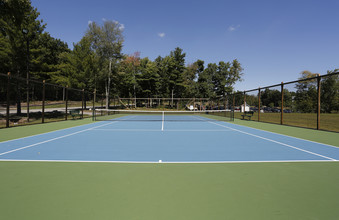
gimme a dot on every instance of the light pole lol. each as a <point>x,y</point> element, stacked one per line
<point>25,32</point>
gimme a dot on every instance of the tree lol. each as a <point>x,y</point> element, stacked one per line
<point>149,79</point>
<point>218,80</point>
<point>176,71</point>
<point>271,98</point>
<point>164,67</point>
<point>20,30</point>
<point>127,75</point>
<point>77,68</point>
<point>106,42</point>
<point>189,80</point>
<point>306,94</point>
<point>132,63</point>
<point>330,93</point>
<point>205,82</point>
<point>17,15</point>
<point>45,58</point>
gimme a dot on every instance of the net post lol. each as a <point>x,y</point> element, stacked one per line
<point>8,98</point>
<point>319,101</point>
<point>43,101</point>
<point>282,104</point>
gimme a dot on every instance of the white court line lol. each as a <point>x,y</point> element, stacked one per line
<point>328,145</point>
<point>47,132</point>
<point>277,142</point>
<point>171,130</point>
<point>168,162</point>
<point>53,139</point>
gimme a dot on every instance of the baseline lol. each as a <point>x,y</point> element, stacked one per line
<point>169,162</point>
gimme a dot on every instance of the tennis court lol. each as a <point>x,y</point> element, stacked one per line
<point>168,166</point>
<point>160,138</point>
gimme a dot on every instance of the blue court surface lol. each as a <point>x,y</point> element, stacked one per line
<point>165,141</point>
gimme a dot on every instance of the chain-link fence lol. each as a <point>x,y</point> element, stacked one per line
<point>311,103</point>
<point>24,102</point>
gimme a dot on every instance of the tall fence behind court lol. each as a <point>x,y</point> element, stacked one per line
<point>310,103</point>
<point>24,102</point>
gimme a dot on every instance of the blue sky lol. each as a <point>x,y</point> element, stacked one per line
<point>274,40</point>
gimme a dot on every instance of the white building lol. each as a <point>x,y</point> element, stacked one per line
<point>246,109</point>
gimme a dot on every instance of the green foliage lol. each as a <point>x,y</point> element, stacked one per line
<point>330,93</point>
<point>271,98</point>
<point>128,69</point>
<point>77,68</point>
<point>149,79</point>
<point>44,50</point>
<point>45,56</point>
<point>17,15</point>
<point>306,94</point>
<point>177,68</point>
<point>204,84</point>
<point>106,42</point>
<point>218,80</point>
<point>97,63</point>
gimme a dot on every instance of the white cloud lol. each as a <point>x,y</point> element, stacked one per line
<point>233,27</point>
<point>121,27</point>
<point>90,22</point>
<point>104,19</point>
<point>161,35</point>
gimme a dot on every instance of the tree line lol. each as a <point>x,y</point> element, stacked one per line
<point>96,62</point>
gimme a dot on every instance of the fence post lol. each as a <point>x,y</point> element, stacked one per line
<point>8,98</point>
<point>82,103</point>
<point>319,104</point>
<point>93,109</point>
<point>102,101</point>
<point>233,103</point>
<point>27,97</point>
<point>43,102</point>
<point>66,91</point>
<point>259,106</point>
<point>244,101</point>
<point>282,104</point>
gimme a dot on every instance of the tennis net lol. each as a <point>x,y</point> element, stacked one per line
<point>138,115</point>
